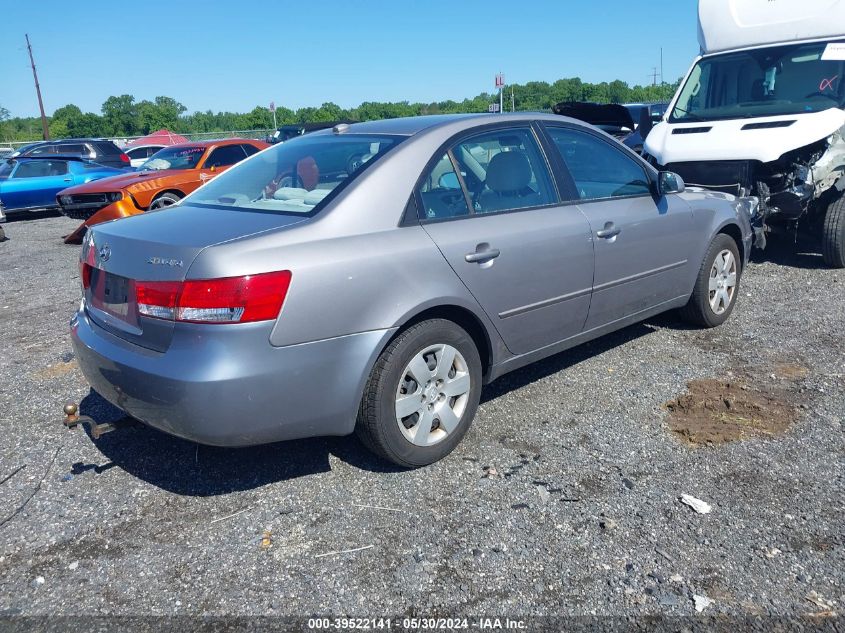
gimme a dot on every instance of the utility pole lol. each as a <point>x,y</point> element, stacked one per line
<point>46,130</point>
<point>654,77</point>
<point>513,101</point>
<point>662,80</point>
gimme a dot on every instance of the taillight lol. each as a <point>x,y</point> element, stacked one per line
<point>85,273</point>
<point>228,300</point>
<point>124,158</point>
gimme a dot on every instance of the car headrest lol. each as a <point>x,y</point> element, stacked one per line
<point>508,171</point>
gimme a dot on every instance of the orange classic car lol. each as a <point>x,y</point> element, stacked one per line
<point>165,178</point>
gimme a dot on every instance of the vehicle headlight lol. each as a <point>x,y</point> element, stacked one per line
<point>66,199</point>
<point>114,196</point>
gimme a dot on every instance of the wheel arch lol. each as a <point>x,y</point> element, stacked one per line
<point>460,315</point>
<point>172,190</point>
<point>733,231</point>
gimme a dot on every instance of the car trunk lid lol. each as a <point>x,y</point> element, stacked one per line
<point>155,247</point>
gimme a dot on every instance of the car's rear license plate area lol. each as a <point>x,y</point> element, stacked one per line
<point>114,295</point>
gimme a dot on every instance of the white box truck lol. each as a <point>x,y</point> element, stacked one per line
<point>761,113</point>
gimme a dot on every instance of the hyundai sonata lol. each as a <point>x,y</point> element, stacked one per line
<point>372,277</point>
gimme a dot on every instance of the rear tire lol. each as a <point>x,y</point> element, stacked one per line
<point>717,285</point>
<point>422,394</point>
<point>833,237</point>
<point>164,200</point>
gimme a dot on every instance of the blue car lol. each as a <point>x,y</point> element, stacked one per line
<point>30,184</point>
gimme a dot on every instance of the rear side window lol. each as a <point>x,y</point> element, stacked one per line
<point>250,149</point>
<point>441,192</point>
<point>72,148</point>
<point>502,170</point>
<point>224,156</point>
<point>107,148</point>
<point>599,170</point>
<point>297,176</point>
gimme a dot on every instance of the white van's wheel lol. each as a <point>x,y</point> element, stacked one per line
<point>833,238</point>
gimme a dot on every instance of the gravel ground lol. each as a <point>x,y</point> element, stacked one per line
<point>583,518</point>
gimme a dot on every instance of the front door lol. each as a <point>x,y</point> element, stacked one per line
<point>35,183</point>
<point>642,241</point>
<point>526,259</point>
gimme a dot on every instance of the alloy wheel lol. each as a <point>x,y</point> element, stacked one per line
<point>722,283</point>
<point>432,395</point>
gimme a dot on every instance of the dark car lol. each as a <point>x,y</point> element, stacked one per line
<point>287,132</point>
<point>623,122</point>
<point>100,151</point>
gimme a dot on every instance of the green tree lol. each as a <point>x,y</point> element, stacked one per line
<point>120,115</point>
<point>4,116</point>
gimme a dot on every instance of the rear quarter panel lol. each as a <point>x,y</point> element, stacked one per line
<point>348,284</point>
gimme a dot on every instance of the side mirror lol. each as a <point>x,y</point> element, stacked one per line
<point>646,122</point>
<point>669,182</point>
<point>449,180</point>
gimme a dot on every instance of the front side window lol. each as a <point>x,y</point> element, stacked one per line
<point>41,168</point>
<point>771,81</point>
<point>598,169</point>
<point>174,158</point>
<point>295,177</point>
<point>225,156</point>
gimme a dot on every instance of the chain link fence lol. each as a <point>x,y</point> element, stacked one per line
<point>122,141</point>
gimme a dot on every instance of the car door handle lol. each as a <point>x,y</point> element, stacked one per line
<point>69,179</point>
<point>483,253</point>
<point>609,230</point>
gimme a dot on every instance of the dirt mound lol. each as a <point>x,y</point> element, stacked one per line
<point>718,411</point>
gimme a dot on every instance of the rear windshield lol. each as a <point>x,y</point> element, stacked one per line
<point>294,177</point>
<point>174,158</point>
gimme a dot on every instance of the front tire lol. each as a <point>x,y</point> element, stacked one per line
<point>717,285</point>
<point>422,394</point>
<point>833,238</point>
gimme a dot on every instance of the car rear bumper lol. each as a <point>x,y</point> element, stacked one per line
<point>227,386</point>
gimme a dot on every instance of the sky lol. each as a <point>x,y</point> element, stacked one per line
<point>232,56</point>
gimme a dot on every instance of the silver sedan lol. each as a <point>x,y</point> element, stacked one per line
<point>372,277</point>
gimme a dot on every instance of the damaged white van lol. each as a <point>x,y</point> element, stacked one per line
<point>762,113</point>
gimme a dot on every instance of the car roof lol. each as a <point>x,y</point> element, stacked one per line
<point>410,126</point>
<point>207,144</point>
<point>72,157</point>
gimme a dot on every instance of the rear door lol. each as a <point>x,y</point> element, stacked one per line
<point>491,206</point>
<point>642,241</point>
